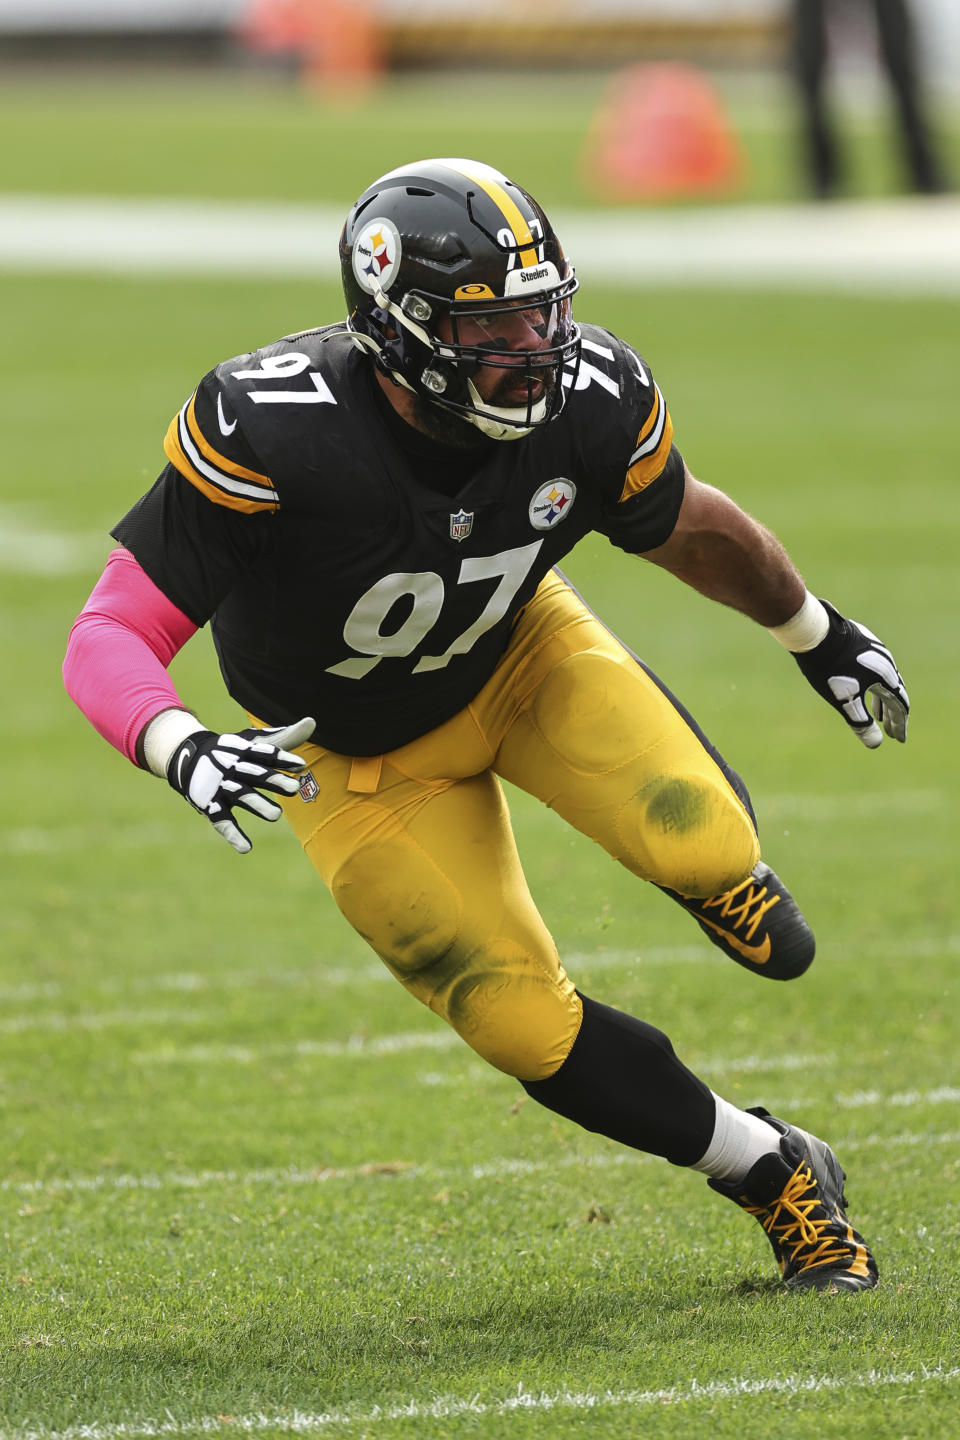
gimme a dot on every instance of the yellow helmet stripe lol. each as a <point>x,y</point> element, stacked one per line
<point>488,181</point>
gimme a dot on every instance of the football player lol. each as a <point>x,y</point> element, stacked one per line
<point>370,516</point>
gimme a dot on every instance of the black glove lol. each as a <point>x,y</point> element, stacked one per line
<point>856,674</point>
<point>216,772</point>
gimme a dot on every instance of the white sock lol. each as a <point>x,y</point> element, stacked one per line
<point>739,1140</point>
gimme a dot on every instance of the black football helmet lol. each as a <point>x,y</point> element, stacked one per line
<point>448,267</point>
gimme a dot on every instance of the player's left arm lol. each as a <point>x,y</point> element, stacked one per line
<point>730,557</point>
<point>727,555</point>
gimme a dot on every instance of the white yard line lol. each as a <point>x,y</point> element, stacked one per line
<point>905,245</point>
<point>903,1099</point>
<point>324,979</point>
<point>476,1074</point>
<point>359,1046</point>
<point>185,982</point>
<point>96,835</point>
<point>342,975</point>
<point>346,974</point>
<point>61,1023</point>
<point>380,1047</point>
<point>377,1047</point>
<point>28,547</point>
<point>500,1167</point>
<point>145,835</point>
<point>454,1407</point>
<point>866,805</point>
<point>905,1140</point>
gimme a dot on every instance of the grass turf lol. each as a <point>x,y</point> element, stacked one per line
<point>246,1177</point>
<point>214,135</point>
<point>225,1197</point>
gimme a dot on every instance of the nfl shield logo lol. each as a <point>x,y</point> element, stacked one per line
<point>461,524</point>
<point>309,789</point>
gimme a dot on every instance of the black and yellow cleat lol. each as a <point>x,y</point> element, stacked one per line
<point>757,923</point>
<point>797,1196</point>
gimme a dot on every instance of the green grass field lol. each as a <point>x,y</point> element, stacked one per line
<point>248,1185</point>
<point>218,136</point>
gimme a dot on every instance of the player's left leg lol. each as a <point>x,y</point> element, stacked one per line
<point>417,849</point>
<point>599,738</point>
<point>788,1179</point>
<point>418,852</point>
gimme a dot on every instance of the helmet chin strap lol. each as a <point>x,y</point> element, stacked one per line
<point>489,419</point>
<point>497,422</point>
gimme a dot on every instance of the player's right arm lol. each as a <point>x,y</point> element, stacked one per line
<point>115,671</point>
<point>182,546</point>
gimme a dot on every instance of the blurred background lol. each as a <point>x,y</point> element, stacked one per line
<point>619,101</point>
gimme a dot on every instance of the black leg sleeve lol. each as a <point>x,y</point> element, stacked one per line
<point>810,66</point>
<point>622,1079</point>
<point>899,51</point>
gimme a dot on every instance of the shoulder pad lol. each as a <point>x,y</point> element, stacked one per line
<point>206,443</point>
<point>636,431</point>
<point>220,440</point>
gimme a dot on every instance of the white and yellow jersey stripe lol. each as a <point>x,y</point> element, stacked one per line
<point>653,447</point>
<point>221,479</point>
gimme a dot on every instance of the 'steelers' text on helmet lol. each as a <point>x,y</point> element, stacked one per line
<point>448,267</point>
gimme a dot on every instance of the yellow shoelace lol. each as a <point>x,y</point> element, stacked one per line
<point>791,1220</point>
<point>738,910</point>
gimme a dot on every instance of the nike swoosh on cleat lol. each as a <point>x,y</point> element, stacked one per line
<point>225,429</point>
<point>859,1265</point>
<point>757,954</point>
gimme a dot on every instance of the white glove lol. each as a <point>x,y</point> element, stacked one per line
<point>215,773</point>
<point>857,675</point>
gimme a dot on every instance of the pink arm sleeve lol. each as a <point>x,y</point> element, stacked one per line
<point>119,647</point>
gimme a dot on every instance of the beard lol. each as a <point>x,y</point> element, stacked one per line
<point>447,427</point>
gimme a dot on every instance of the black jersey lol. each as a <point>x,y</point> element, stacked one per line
<point>346,579</point>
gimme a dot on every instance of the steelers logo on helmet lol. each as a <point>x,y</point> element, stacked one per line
<point>551,503</point>
<point>376,254</point>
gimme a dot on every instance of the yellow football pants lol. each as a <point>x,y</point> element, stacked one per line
<point>417,849</point>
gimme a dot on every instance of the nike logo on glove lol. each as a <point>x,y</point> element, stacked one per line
<point>185,755</point>
<point>225,429</point>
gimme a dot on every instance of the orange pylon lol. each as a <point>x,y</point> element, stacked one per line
<point>338,42</point>
<point>660,133</point>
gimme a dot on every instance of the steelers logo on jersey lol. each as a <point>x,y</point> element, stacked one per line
<point>551,503</point>
<point>376,254</point>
